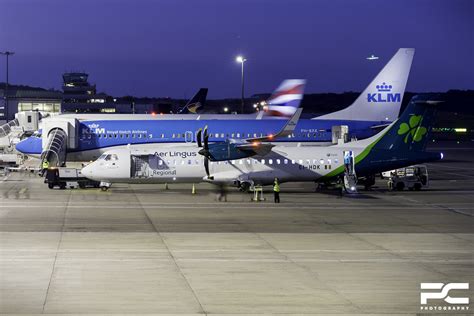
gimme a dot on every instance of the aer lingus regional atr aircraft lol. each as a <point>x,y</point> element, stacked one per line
<point>400,144</point>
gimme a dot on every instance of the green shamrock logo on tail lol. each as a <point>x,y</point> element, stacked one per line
<point>413,128</point>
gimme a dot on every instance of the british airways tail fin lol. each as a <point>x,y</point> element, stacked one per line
<point>382,99</point>
<point>286,99</point>
<point>195,102</point>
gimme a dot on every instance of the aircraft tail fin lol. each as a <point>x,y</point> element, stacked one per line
<point>412,130</point>
<point>382,99</point>
<point>286,99</point>
<point>195,103</point>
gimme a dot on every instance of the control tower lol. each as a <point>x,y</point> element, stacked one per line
<point>80,96</point>
<point>76,87</point>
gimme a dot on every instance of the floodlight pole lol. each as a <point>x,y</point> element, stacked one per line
<point>242,60</point>
<point>7,54</point>
<point>242,92</point>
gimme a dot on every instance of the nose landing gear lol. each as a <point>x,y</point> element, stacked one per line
<point>104,186</point>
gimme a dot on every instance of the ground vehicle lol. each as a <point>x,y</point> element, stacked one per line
<point>64,177</point>
<point>412,177</point>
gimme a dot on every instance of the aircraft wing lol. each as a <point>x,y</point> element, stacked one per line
<point>255,148</point>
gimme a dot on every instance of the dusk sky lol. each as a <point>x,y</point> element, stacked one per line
<point>173,47</point>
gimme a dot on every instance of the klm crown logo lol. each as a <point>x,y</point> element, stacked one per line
<point>384,87</point>
<point>384,94</point>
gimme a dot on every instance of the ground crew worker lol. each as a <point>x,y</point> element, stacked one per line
<point>276,191</point>
<point>222,193</point>
<point>44,168</point>
<point>45,164</point>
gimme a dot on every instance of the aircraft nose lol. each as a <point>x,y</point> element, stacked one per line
<point>88,171</point>
<point>30,146</point>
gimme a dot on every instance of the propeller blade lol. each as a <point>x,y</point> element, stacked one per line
<point>206,139</point>
<point>204,152</point>
<point>206,166</point>
<point>199,137</point>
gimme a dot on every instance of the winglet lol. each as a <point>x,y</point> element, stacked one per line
<point>284,132</point>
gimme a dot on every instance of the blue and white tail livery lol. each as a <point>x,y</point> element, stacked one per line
<point>382,99</point>
<point>286,98</point>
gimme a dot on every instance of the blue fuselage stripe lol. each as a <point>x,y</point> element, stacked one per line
<point>162,131</point>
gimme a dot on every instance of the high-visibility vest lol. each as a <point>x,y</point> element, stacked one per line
<point>276,187</point>
<point>45,164</point>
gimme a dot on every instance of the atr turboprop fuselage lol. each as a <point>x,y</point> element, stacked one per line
<point>185,164</point>
<point>98,136</point>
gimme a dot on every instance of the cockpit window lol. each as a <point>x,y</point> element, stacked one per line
<point>102,157</point>
<point>111,157</point>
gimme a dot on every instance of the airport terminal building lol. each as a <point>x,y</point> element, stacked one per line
<point>27,99</point>
<point>78,95</point>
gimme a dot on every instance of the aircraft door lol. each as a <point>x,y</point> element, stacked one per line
<point>350,177</point>
<point>188,137</point>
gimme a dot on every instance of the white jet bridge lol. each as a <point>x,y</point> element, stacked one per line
<point>25,123</point>
<point>58,135</point>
